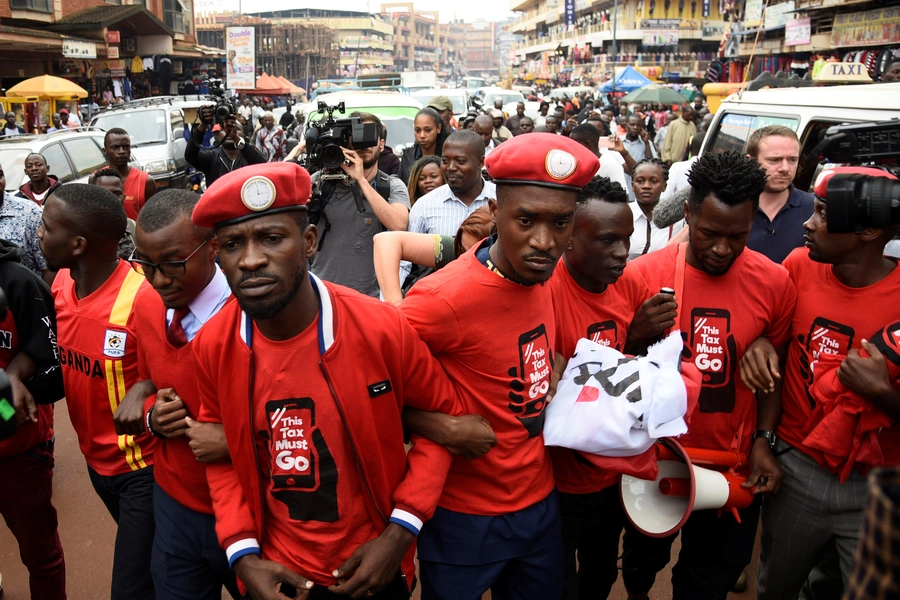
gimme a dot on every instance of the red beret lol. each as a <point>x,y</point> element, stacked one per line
<point>820,189</point>
<point>544,159</point>
<point>253,191</point>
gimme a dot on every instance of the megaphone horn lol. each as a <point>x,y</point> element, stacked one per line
<point>661,507</point>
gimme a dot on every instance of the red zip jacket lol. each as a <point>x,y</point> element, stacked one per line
<point>363,344</point>
<point>177,471</point>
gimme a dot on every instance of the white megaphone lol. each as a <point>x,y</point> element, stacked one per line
<point>661,507</point>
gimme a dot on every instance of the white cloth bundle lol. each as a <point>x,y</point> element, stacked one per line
<point>612,405</point>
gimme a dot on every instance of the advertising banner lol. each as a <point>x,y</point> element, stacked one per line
<point>870,28</point>
<point>240,54</point>
<point>778,15</point>
<point>570,13</point>
<point>753,10</point>
<point>797,32</point>
<point>660,38</point>
<point>76,49</point>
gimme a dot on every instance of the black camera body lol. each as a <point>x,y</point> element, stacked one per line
<point>858,201</point>
<point>326,138</point>
<point>224,109</point>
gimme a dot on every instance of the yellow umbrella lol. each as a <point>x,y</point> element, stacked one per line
<point>47,86</point>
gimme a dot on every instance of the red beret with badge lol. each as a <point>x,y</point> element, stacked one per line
<point>820,189</point>
<point>543,159</point>
<point>253,191</point>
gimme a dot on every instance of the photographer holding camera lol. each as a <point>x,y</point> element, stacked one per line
<point>355,202</point>
<point>234,152</point>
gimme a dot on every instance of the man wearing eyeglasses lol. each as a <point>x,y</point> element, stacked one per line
<point>94,293</point>
<point>179,261</point>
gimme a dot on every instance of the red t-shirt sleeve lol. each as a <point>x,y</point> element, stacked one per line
<point>433,319</point>
<point>779,329</point>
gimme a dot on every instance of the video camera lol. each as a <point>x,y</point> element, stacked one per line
<point>224,107</point>
<point>326,138</point>
<point>855,201</point>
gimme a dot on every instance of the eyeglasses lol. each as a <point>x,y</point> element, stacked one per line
<point>171,268</point>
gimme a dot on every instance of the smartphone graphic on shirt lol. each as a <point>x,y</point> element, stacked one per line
<point>710,328</point>
<point>603,333</point>
<point>291,448</point>
<point>535,365</point>
<point>828,337</point>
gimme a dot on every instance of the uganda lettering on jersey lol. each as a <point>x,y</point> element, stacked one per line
<point>711,347</point>
<point>80,363</point>
<point>825,337</point>
<point>531,380</point>
<point>303,472</point>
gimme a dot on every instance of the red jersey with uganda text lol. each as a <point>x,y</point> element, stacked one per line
<point>315,518</point>
<point>98,355</point>
<point>719,317</point>
<point>603,318</point>
<point>831,318</point>
<point>494,338</point>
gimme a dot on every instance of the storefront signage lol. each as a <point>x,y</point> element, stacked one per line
<point>76,49</point>
<point>660,38</point>
<point>869,28</point>
<point>660,23</point>
<point>777,15</point>
<point>112,52</point>
<point>113,37</point>
<point>797,32</point>
<point>109,68</point>
<point>712,30</point>
<point>753,13</point>
<point>570,13</point>
<point>240,54</point>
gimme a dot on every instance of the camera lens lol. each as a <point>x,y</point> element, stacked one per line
<point>222,112</point>
<point>332,156</point>
<point>856,202</point>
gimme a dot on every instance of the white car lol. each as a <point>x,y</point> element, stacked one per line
<point>458,97</point>
<point>490,94</point>
<point>532,109</point>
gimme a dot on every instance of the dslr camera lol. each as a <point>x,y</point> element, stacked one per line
<point>326,137</point>
<point>224,109</point>
<point>856,201</point>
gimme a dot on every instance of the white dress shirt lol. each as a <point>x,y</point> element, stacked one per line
<point>205,305</point>
<point>659,238</point>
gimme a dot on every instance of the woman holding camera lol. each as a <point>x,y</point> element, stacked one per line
<point>430,136</point>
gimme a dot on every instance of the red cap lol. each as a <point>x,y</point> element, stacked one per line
<point>216,128</point>
<point>64,111</point>
<point>820,189</point>
<point>253,191</point>
<point>544,159</point>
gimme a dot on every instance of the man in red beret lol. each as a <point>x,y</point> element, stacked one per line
<point>489,319</point>
<point>845,288</point>
<point>308,380</point>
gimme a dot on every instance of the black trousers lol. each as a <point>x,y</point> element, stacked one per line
<point>592,525</point>
<point>714,551</point>
<point>129,499</point>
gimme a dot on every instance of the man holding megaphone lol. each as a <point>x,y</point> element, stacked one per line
<point>728,296</point>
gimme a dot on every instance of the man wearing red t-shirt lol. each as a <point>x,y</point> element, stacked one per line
<point>138,185</point>
<point>308,380</point>
<point>844,288</point>
<point>489,319</point>
<point>179,261</point>
<point>728,296</point>
<point>94,295</point>
<point>595,296</point>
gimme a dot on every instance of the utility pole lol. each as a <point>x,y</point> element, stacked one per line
<point>614,49</point>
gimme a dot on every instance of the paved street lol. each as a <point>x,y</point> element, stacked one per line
<point>87,533</point>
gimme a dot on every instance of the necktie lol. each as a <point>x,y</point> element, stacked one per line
<point>176,334</point>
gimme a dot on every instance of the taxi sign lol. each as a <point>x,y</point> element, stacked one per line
<point>843,72</point>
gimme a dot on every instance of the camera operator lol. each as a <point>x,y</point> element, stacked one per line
<point>343,257</point>
<point>234,152</point>
<point>844,291</point>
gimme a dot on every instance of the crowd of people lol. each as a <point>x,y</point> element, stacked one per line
<point>297,385</point>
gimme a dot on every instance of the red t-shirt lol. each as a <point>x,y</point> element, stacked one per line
<point>605,319</point>
<point>135,188</point>
<point>98,355</point>
<point>831,318</point>
<point>315,518</point>
<point>888,341</point>
<point>493,337</point>
<point>719,317</point>
<point>176,469</point>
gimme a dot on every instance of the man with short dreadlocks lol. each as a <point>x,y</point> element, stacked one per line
<point>728,296</point>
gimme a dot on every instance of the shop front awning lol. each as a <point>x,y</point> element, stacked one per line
<point>33,40</point>
<point>132,20</point>
<point>196,51</point>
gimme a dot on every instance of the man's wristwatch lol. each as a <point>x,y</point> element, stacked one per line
<point>241,143</point>
<point>768,434</point>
